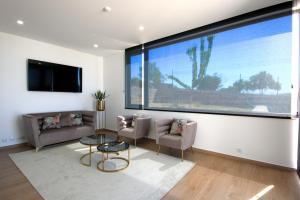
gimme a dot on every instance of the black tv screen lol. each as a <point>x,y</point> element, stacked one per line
<point>45,76</point>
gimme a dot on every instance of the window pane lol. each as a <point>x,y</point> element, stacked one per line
<point>242,70</point>
<point>134,82</point>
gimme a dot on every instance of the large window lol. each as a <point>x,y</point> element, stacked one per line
<point>134,78</point>
<point>244,70</point>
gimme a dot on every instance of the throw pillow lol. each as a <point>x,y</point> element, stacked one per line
<point>177,126</point>
<point>51,122</point>
<point>76,119</point>
<point>65,120</point>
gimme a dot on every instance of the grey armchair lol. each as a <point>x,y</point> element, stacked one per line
<point>182,142</point>
<point>140,129</point>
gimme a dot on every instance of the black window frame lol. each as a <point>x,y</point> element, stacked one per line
<point>272,12</point>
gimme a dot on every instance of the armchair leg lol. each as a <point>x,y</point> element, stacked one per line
<point>135,142</point>
<point>192,150</point>
<point>37,149</point>
<point>181,155</point>
<point>158,150</point>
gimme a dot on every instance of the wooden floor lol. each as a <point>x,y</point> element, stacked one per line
<point>213,178</point>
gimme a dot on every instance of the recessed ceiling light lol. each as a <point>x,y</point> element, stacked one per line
<point>106,9</point>
<point>96,45</point>
<point>141,28</point>
<point>20,22</point>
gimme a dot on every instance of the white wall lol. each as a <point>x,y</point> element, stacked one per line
<point>263,139</point>
<point>15,100</point>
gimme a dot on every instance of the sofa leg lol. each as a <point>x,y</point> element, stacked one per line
<point>158,149</point>
<point>181,155</point>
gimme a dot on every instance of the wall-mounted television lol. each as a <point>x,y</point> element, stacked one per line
<point>45,76</point>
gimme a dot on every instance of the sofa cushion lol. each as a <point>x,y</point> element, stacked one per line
<point>51,136</point>
<point>173,141</point>
<point>65,120</point>
<point>76,119</point>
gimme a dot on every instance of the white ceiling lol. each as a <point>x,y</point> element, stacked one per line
<point>78,24</point>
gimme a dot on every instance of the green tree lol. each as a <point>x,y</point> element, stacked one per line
<point>275,86</point>
<point>191,52</point>
<point>205,55</point>
<point>239,86</point>
<point>263,81</point>
<point>209,83</point>
<point>206,44</point>
<point>135,81</point>
<point>154,74</point>
<point>182,84</point>
<point>260,81</point>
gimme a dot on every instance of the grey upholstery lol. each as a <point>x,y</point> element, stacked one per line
<point>140,130</point>
<point>39,138</point>
<point>182,142</point>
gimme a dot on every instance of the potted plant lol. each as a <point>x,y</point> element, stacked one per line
<point>100,97</point>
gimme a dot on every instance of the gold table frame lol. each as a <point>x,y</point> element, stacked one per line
<point>117,158</point>
<point>88,154</point>
<point>89,164</point>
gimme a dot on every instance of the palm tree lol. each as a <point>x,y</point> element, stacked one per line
<point>198,77</point>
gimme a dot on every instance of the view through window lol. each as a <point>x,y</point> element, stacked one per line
<point>245,70</point>
<point>134,80</point>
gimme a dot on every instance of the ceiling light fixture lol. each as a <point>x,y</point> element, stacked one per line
<point>96,45</point>
<point>20,22</point>
<point>141,28</point>
<point>106,9</point>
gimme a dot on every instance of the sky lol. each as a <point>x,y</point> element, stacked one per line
<point>240,52</point>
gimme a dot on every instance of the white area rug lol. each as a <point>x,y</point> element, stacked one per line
<point>56,174</point>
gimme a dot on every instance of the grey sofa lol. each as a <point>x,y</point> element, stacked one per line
<point>39,138</point>
<point>182,142</point>
<point>140,130</point>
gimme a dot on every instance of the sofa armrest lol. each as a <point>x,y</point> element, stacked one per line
<point>90,118</point>
<point>188,135</point>
<point>32,129</point>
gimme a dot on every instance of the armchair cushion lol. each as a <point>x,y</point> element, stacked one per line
<point>127,130</point>
<point>177,126</point>
<point>163,129</point>
<point>173,141</point>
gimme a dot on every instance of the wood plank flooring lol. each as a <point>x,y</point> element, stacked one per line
<point>213,178</point>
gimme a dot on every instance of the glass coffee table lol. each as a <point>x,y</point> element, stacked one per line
<point>113,148</point>
<point>94,140</point>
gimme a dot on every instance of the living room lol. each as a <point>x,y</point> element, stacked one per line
<point>200,102</point>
